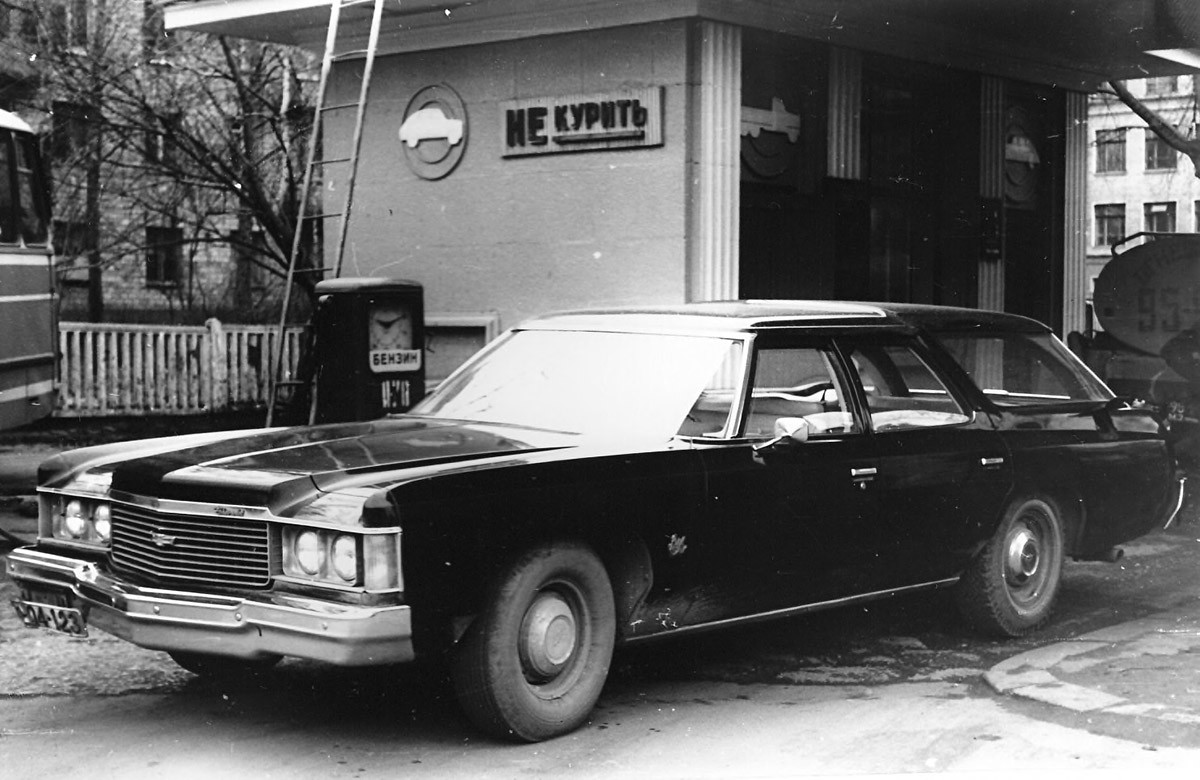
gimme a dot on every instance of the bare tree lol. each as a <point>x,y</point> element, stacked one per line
<point>1162,127</point>
<point>204,134</point>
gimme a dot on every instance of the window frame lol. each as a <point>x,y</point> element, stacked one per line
<point>1105,237</point>
<point>164,257</point>
<point>932,365</point>
<point>1150,217</point>
<point>843,384</point>
<point>1159,155</point>
<point>1110,145</point>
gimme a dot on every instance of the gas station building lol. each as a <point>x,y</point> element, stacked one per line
<point>523,156</point>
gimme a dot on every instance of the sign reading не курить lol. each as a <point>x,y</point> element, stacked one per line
<point>575,123</point>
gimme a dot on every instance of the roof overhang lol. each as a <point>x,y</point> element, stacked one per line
<point>1078,44</point>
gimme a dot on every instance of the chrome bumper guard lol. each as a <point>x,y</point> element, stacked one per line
<point>1180,495</point>
<point>249,628</point>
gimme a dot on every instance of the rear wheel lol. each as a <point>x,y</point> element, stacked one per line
<point>532,664</point>
<point>1010,588</point>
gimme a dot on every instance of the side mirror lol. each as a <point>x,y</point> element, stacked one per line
<point>787,429</point>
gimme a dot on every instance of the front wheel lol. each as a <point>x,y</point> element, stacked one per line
<point>532,664</point>
<point>1010,587</point>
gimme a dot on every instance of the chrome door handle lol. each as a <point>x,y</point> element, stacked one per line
<point>867,472</point>
<point>991,462</point>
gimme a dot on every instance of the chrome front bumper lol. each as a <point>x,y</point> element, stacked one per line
<point>273,624</point>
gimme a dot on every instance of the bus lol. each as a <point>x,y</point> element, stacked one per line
<point>28,308</point>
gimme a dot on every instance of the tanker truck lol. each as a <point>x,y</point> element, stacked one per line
<point>1146,347</point>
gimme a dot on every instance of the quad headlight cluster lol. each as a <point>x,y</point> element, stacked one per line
<point>328,556</point>
<point>82,520</point>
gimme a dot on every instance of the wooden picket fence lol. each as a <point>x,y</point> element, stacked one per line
<point>113,370</point>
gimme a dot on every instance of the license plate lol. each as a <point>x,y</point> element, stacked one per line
<point>39,610</point>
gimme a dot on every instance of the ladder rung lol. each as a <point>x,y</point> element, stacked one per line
<point>291,383</point>
<point>349,54</point>
<point>338,106</point>
<point>326,215</point>
<point>310,270</point>
<point>349,3</point>
<point>331,160</point>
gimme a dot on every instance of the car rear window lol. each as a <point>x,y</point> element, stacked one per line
<point>1017,369</point>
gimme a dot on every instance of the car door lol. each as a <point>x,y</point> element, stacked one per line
<point>1068,439</point>
<point>943,471</point>
<point>792,519</point>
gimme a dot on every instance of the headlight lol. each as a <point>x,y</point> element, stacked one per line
<point>310,553</point>
<point>345,557</point>
<point>321,555</point>
<point>74,522</point>
<point>82,520</point>
<point>102,522</point>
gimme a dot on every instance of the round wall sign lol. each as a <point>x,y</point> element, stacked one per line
<point>433,134</point>
<point>1022,159</point>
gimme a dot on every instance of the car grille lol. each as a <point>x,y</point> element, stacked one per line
<point>173,549</point>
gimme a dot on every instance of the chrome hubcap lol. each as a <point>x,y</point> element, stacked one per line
<point>1023,556</point>
<point>548,636</point>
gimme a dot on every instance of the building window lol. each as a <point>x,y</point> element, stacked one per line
<point>69,129</point>
<point>164,256</point>
<point>56,26</point>
<point>79,23</point>
<point>156,38</point>
<point>1159,217</point>
<point>1110,223</point>
<point>1162,85</point>
<point>161,143</point>
<point>1159,154</point>
<point>28,26</point>
<point>1110,151</point>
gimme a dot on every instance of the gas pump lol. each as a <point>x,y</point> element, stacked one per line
<point>369,347</point>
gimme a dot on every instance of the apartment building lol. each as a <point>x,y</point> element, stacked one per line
<point>1137,183</point>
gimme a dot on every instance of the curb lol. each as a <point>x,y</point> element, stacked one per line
<point>1032,675</point>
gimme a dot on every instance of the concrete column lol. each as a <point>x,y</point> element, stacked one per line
<point>991,186</point>
<point>845,157</point>
<point>1075,216</point>
<point>713,211</point>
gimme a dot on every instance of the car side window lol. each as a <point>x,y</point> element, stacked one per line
<point>902,391</point>
<point>1016,369</point>
<point>797,382</point>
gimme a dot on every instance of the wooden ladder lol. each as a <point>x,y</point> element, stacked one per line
<point>305,374</point>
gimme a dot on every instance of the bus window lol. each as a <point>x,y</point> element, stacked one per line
<point>32,203</point>
<point>8,229</point>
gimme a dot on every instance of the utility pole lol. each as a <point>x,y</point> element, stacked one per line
<point>95,152</point>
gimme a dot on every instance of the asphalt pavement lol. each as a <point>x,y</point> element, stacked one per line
<point>1148,668</point>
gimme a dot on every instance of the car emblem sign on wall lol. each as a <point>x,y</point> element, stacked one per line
<point>434,132</point>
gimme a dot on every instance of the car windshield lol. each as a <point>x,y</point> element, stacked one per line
<point>1020,369</point>
<point>594,383</point>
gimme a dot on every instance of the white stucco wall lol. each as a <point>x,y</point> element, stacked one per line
<point>522,236</point>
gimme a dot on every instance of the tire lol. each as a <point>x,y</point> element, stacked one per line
<point>220,667</point>
<point>1009,589</point>
<point>532,664</point>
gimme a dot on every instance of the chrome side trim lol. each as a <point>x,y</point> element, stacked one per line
<point>793,611</point>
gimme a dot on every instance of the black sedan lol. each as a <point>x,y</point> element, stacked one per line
<point>601,478</point>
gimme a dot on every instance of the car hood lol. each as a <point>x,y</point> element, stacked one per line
<point>280,468</point>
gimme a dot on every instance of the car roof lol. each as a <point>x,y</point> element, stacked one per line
<point>739,316</point>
